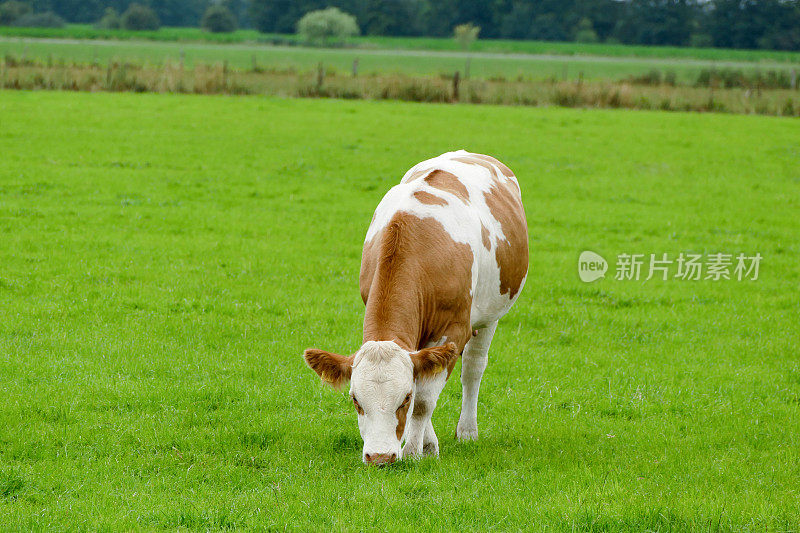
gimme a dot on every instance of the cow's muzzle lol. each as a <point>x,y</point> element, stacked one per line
<point>380,458</point>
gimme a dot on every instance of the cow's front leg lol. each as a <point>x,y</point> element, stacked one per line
<point>420,437</point>
<point>430,443</point>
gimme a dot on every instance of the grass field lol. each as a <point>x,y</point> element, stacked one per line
<point>166,259</point>
<point>86,31</point>
<point>420,62</point>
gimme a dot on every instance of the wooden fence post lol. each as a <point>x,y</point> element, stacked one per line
<point>456,81</point>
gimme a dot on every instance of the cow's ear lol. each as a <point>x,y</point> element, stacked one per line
<point>430,361</point>
<point>334,369</point>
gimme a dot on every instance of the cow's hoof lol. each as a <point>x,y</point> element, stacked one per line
<point>466,432</point>
<point>411,452</point>
<point>430,449</point>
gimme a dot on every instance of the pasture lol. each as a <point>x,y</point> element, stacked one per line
<point>166,258</point>
<point>88,31</point>
<point>562,63</point>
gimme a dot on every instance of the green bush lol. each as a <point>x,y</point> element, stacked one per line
<point>138,17</point>
<point>584,32</point>
<point>110,20</point>
<point>11,11</point>
<point>218,19</point>
<point>322,25</point>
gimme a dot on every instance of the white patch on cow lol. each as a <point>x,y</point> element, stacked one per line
<point>382,377</point>
<point>463,224</point>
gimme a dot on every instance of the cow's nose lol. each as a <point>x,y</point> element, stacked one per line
<point>380,458</point>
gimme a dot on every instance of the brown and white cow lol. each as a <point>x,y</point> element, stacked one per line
<point>445,257</point>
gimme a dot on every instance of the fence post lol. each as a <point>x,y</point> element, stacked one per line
<point>456,81</point>
<point>255,65</point>
<point>355,68</point>
<point>320,75</point>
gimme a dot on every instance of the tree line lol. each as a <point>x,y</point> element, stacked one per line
<point>771,24</point>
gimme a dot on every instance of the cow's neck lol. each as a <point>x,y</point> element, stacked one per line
<point>395,306</point>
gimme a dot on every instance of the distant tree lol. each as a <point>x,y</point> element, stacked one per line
<point>138,17</point>
<point>218,19</point>
<point>48,19</point>
<point>392,17</point>
<point>658,22</point>
<point>466,34</point>
<point>109,21</point>
<point>584,32</point>
<point>437,18</point>
<point>11,11</point>
<point>275,16</point>
<point>325,24</point>
<point>74,10</point>
<point>548,27</point>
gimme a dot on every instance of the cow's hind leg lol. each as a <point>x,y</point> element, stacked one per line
<point>473,363</point>
<point>420,437</point>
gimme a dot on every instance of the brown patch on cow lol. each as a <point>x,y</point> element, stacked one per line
<point>488,162</point>
<point>446,181</point>
<point>416,281</point>
<point>475,161</point>
<point>429,199</point>
<point>487,243</point>
<point>504,169</point>
<point>418,174</point>
<point>401,414</point>
<point>511,254</point>
<point>334,369</point>
<point>368,262</point>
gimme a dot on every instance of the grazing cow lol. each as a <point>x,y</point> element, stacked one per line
<point>445,256</point>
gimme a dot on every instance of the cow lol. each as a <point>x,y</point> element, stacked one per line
<point>444,258</point>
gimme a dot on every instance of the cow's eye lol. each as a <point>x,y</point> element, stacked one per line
<point>358,406</point>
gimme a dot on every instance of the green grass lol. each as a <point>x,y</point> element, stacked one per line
<point>87,31</point>
<point>371,61</point>
<point>166,259</point>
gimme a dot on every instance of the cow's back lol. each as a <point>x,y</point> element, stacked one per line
<point>473,201</point>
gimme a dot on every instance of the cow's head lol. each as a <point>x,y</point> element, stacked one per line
<point>383,380</point>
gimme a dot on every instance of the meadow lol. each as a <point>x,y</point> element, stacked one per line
<point>166,258</point>
<point>508,46</point>
<point>416,60</point>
